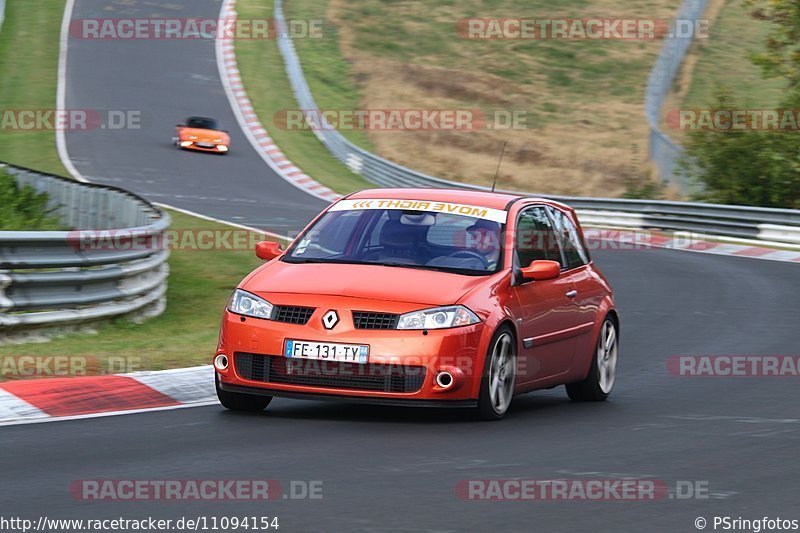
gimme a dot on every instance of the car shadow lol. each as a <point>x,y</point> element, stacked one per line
<point>524,407</point>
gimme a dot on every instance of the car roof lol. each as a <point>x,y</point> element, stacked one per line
<point>493,200</point>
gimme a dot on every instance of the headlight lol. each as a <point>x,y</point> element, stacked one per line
<point>193,137</point>
<point>438,318</point>
<point>244,303</point>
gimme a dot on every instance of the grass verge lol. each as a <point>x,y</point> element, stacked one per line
<point>722,60</point>
<point>29,44</point>
<point>24,208</point>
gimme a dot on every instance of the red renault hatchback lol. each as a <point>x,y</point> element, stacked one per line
<point>422,297</point>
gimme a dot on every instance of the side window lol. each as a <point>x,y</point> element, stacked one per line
<point>535,238</point>
<point>570,240</point>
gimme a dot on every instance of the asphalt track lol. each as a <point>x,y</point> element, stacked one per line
<point>165,81</point>
<point>395,469</point>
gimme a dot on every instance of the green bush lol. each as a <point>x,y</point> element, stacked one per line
<point>759,168</point>
<point>23,208</point>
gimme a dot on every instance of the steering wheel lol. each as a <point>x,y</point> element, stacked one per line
<point>468,254</point>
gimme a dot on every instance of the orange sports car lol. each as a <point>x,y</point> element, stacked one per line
<point>201,133</point>
<point>422,297</point>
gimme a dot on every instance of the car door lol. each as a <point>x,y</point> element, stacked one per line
<point>547,318</point>
<point>587,293</point>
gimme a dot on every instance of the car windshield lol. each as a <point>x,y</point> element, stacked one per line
<point>202,123</point>
<point>399,238</point>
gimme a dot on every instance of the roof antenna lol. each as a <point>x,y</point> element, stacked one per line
<point>497,172</point>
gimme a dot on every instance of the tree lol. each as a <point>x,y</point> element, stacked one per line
<point>755,167</point>
<point>781,59</point>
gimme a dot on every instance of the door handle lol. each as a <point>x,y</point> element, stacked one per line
<point>572,294</point>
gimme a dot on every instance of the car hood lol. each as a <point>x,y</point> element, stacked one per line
<point>373,282</point>
<point>203,135</point>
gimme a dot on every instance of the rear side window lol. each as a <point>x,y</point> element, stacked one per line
<point>536,237</point>
<point>571,243</point>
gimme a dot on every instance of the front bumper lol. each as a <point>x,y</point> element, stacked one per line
<point>260,343</point>
<point>263,391</point>
<point>213,149</point>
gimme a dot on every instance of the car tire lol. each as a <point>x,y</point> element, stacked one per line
<point>499,376</point>
<point>235,401</point>
<point>602,374</point>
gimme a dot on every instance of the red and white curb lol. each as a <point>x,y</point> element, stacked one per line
<point>687,242</point>
<point>44,400</point>
<point>248,120</point>
<point>740,250</point>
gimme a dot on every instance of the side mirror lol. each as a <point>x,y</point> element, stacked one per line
<point>541,270</point>
<point>180,125</point>
<point>267,250</point>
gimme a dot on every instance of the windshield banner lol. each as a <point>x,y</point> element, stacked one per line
<point>486,213</point>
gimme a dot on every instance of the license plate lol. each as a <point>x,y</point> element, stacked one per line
<point>327,351</point>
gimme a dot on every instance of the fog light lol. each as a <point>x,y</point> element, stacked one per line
<point>444,380</point>
<point>222,148</point>
<point>185,144</point>
<point>221,362</point>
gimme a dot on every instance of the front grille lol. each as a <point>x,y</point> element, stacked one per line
<point>313,373</point>
<point>368,320</point>
<point>292,314</point>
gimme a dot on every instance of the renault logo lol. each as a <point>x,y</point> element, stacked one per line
<point>330,319</point>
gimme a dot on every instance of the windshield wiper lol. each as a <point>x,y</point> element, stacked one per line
<point>319,260</point>
<point>416,267</point>
<point>396,264</point>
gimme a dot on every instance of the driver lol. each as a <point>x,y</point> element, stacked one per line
<point>483,237</point>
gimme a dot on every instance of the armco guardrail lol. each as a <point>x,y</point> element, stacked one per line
<point>742,222</point>
<point>49,280</point>
<point>663,152</point>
